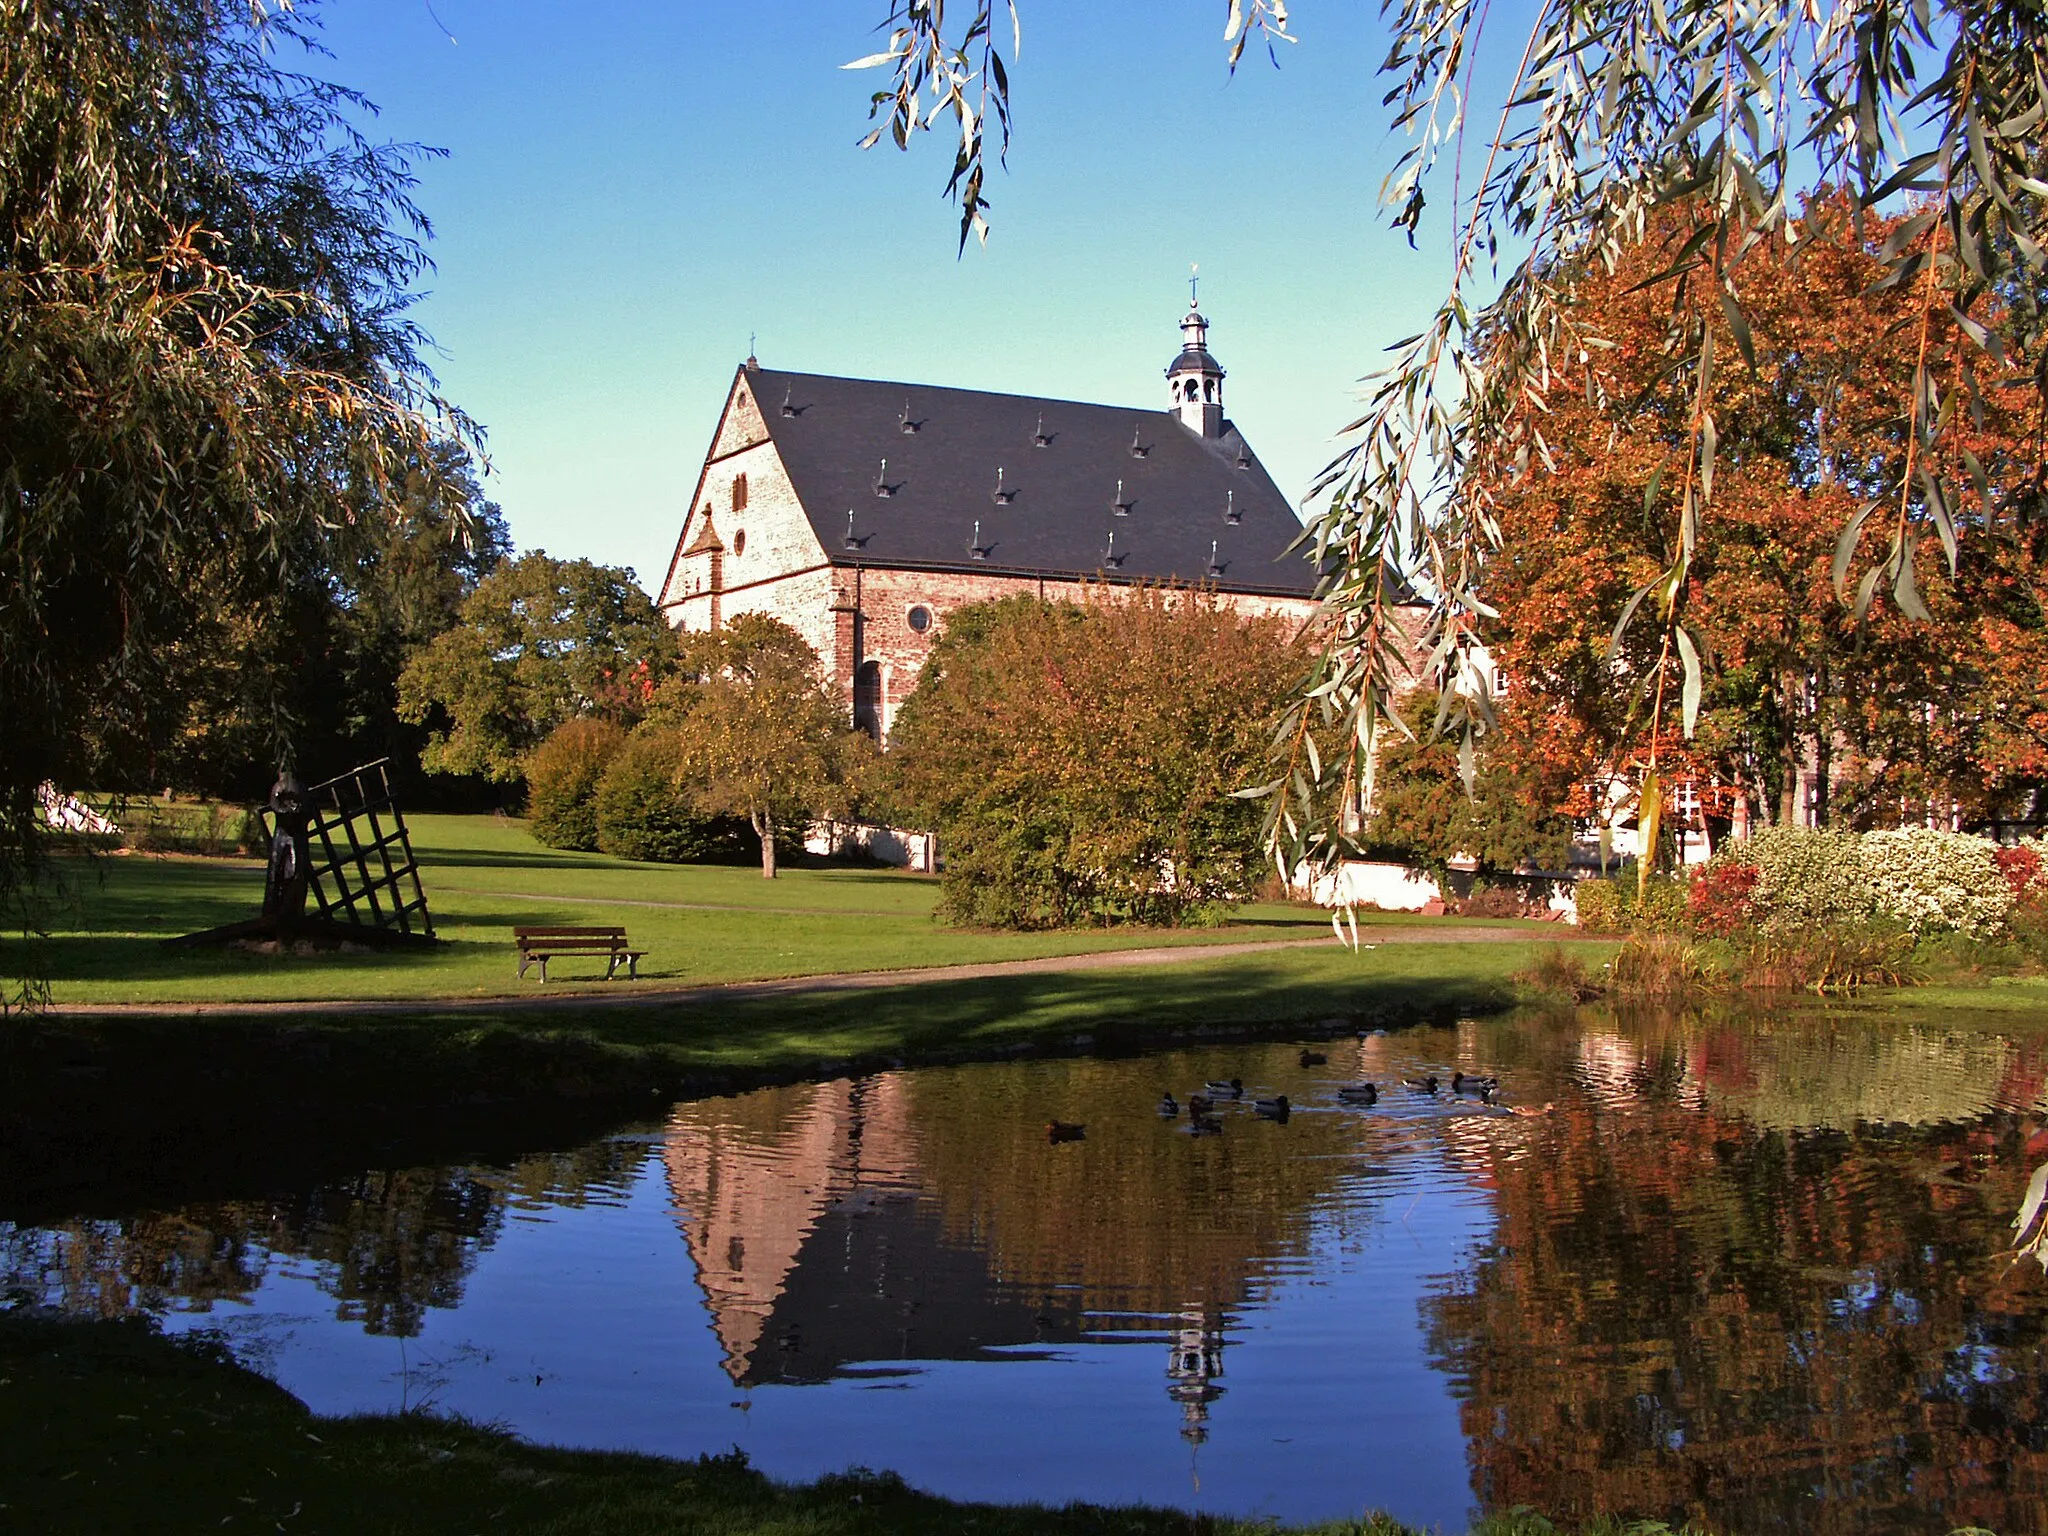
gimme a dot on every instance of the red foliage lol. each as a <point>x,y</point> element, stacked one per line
<point>1723,898</point>
<point>2021,868</point>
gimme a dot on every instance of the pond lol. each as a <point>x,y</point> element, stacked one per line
<point>1752,1271</point>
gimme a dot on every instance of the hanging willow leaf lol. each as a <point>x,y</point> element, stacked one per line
<point>1617,109</point>
<point>1689,658</point>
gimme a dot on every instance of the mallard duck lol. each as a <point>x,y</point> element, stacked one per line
<point>1359,1093</point>
<point>1275,1108</point>
<point>1422,1084</point>
<point>1313,1058</point>
<point>1200,1103</point>
<point>1234,1089</point>
<point>1169,1107</point>
<point>1204,1125</point>
<point>1064,1130</point>
<point>1482,1086</point>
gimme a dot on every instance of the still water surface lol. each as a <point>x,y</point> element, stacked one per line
<point>1752,1272</point>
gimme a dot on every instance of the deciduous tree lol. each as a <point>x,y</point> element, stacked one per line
<point>1080,762</point>
<point>758,733</point>
<point>541,641</point>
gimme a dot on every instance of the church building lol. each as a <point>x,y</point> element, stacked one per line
<point>861,513</point>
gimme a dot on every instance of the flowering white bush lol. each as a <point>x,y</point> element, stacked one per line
<point>1936,880</point>
<point>1806,877</point>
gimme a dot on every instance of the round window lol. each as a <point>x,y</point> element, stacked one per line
<point>739,541</point>
<point>920,618</point>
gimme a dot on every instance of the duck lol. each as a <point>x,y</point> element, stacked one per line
<point>1460,1083</point>
<point>1234,1089</point>
<point>1064,1130</point>
<point>1169,1107</point>
<point>1204,1125</point>
<point>1313,1058</point>
<point>1530,1109</point>
<point>1200,1103</point>
<point>1423,1084</point>
<point>1275,1108</point>
<point>1359,1093</point>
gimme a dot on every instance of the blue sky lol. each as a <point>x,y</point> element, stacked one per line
<point>633,188</point>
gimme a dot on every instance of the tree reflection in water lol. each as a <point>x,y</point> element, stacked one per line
<point>1682,1313</point>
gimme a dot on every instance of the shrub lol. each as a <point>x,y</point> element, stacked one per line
<point>1619,906</point>
<point>1663,965</point>
<point>1722,900</point>
<point>2021,867</point>
<point>1831,957</point>
<point>1560,973</point>
<point>562,775</point>
<point>1494,901</point>
<point>1602,907</point>
<point>1807,877</point>
<point>1935,881</point>
<point>643,811</point>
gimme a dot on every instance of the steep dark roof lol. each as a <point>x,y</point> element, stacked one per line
<point>834,433</point>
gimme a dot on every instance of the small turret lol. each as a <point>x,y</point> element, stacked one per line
<point>1195,379</point>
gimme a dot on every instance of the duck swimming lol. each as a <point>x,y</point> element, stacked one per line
<point>1359,1093</point>
<point>1275,1108</point>
<point>1169,1107</point>
<point>1313,1058</point>
<point>1200,1104</point>
<point>1234,1089</point>
<point>1423,1084</point>
<point>1204,1125</point>
<point>1482,1086</point>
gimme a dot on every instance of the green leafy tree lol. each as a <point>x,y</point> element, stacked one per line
<point>562,778</point>
<point>758,735</point>
<point>1080,761</point>
<point>646,811</point>
<point>207,361</point>
<point>541,641</point>
<point>1424,814</point>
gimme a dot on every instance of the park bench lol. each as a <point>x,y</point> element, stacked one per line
<point>537,946</point>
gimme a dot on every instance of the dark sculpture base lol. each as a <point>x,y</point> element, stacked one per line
<point>318,932</point>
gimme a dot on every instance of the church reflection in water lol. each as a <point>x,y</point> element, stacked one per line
<point>1752,1272</point>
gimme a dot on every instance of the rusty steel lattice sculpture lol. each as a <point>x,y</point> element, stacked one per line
<point>344,844</point>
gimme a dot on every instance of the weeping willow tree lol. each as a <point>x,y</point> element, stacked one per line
<point>1616,109</point>
<point>209,380</point>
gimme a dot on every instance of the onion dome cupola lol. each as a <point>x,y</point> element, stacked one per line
<point>1195,379</point>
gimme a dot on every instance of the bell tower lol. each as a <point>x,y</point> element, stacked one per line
<point>1195,380</point>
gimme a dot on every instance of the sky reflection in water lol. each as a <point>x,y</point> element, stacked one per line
<point>1750,1272</point>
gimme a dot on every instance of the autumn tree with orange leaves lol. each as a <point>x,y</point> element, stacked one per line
<point>1902,710</point>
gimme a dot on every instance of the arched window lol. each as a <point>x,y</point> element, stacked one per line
<point>867,699</point>
<point>1193,387</point>
<point>739,493</point>
<point>739,541</point>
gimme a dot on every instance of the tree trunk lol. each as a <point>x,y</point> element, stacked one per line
<point>764,828</point>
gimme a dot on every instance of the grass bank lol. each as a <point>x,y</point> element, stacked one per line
<point>110,1427</point>
<point>701,925</point>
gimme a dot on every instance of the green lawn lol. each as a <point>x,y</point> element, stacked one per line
<point>700,924</point>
